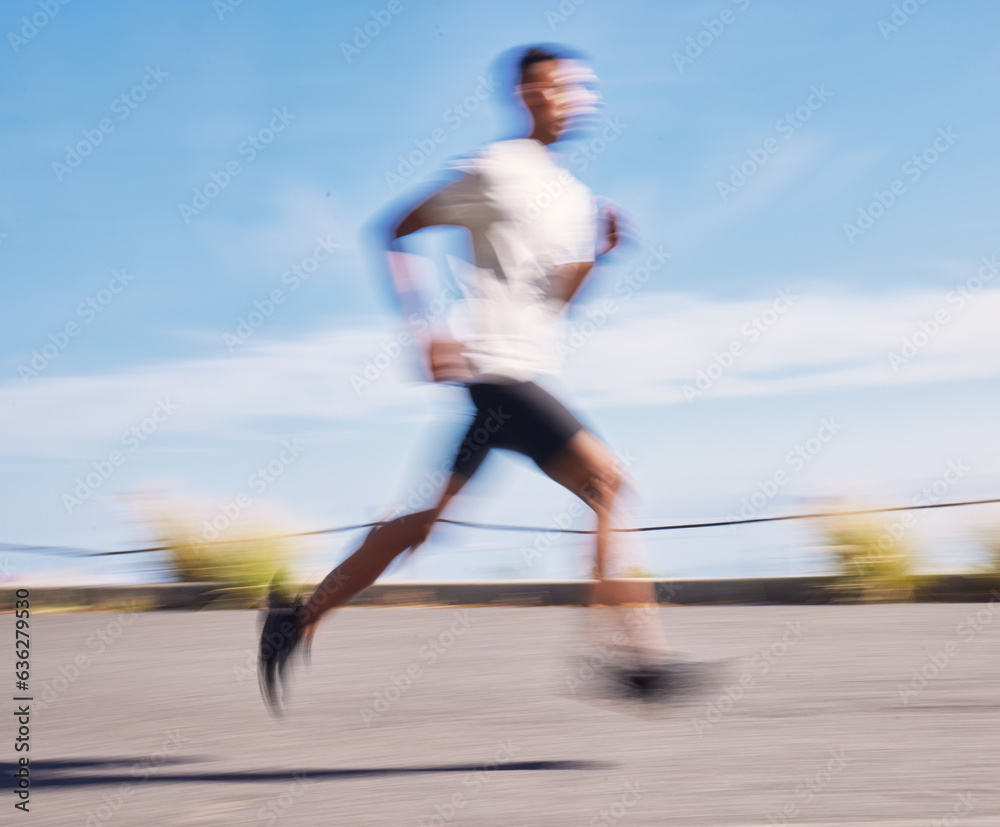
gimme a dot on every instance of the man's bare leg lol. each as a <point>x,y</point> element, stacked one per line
<point>383,544</point>
<point>587,468</point>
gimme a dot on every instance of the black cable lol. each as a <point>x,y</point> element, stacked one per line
<point>494,527</point>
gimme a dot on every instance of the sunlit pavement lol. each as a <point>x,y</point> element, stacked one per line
<point>829,715</point>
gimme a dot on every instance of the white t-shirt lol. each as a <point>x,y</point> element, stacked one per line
<point>527,216</point>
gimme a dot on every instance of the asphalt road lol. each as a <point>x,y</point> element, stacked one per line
<point>483,717</point>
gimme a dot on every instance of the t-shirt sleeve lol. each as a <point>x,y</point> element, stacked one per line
<point>581,239</point>
<point>587,241</point>
<point>461,202</point>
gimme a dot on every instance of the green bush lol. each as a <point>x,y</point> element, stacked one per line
<point>992,540</point>
<point>243,564</point>
<point>874,565</point>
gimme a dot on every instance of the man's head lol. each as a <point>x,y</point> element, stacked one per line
<point>558,88</point>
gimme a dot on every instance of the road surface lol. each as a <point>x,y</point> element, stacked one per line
<point>819,715</point>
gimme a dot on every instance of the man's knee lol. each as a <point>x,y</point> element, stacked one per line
<point>601,486</point>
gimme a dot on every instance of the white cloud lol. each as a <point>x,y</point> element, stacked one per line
<point>218,397</point>
<point>644,355</point>
<point>659,343</point>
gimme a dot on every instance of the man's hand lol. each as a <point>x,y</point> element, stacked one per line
<point>446,362</point>
<point>613,228</point>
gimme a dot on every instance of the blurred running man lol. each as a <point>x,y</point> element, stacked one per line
<point>535,235</point>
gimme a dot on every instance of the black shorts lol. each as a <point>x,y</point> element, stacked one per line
<point>518,416</point>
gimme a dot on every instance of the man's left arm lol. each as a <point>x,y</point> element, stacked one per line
<point>572,276</point>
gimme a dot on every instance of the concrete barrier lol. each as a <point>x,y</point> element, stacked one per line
<point>744,590</point>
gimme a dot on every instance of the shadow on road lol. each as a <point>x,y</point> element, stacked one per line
<point>88,773</point>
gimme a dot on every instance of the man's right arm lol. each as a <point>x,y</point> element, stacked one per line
<point>443,361</point>
<point>416,219</point>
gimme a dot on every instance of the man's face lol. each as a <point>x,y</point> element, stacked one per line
<point>561,94</point>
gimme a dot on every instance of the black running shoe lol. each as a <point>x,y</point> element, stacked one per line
<point>279,638</point>
<point>658,681</point>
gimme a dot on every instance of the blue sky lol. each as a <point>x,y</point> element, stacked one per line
<point>823,105</point>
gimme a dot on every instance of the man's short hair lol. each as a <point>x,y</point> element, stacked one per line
<point>542,53</point>
<point>512,65</point>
